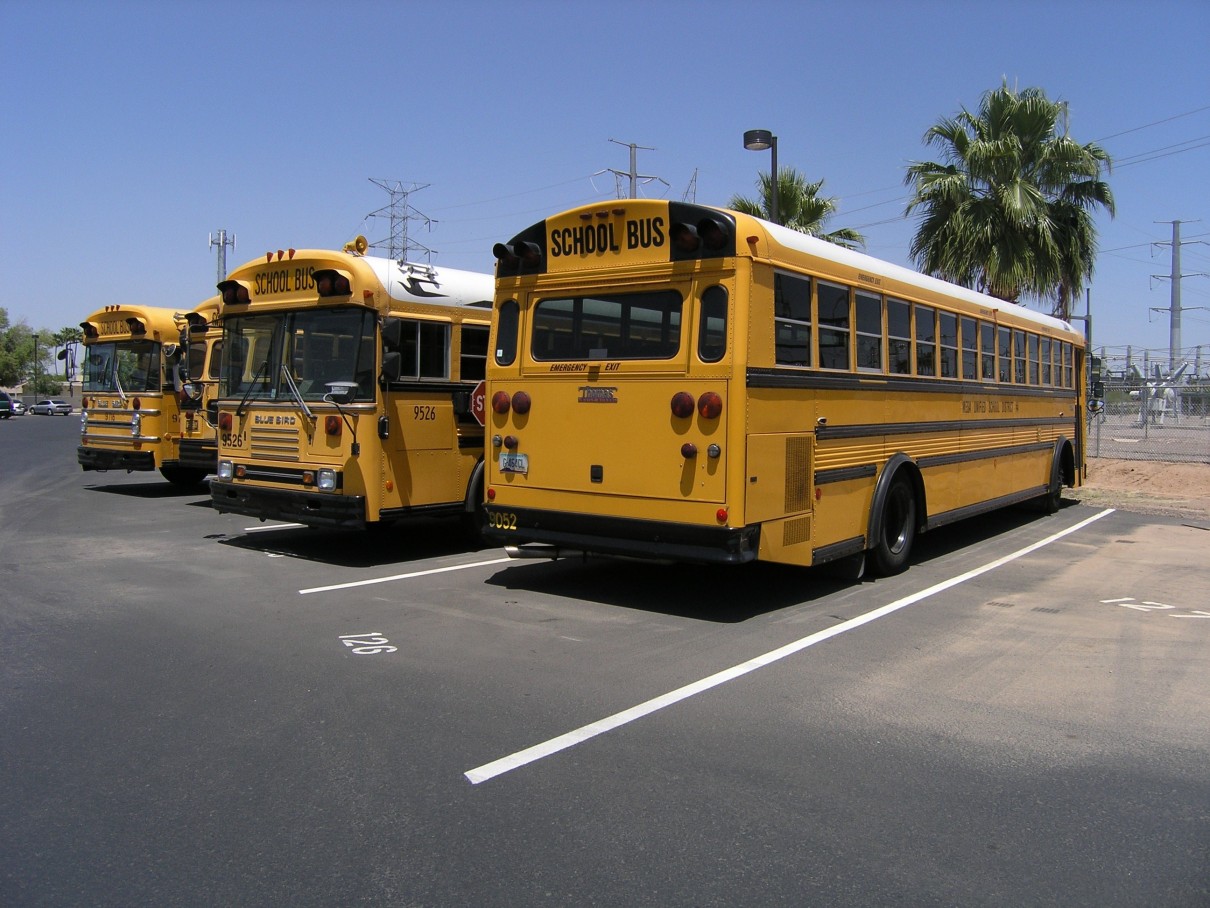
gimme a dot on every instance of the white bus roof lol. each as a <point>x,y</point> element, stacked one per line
<point>414,283</point>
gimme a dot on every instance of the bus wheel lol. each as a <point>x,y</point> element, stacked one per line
<point>1050,502</point>
<point>893,546</point>
<point>185,477</point>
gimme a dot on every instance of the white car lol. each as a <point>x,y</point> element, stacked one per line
<point>51,407</point>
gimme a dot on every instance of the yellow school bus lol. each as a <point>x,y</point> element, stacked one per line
<point>135,406</point>
<point>347,390</point>
<point>681,382</point>
<point>201,345</point>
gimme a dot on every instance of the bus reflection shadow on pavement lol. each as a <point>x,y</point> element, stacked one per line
<point>729,594</point>
<point>152,489</point>
<point>403,543</point>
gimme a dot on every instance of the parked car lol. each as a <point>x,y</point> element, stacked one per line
<point>51,407</point>
<point>7,410</point>
<point>19,407</point>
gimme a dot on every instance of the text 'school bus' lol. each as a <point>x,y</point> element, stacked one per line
<point>347,389</point>
<point>680,382</point>
<point>136,405</point>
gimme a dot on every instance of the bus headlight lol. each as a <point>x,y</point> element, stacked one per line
<point>327,480</point>
<point>225,469</point>
<point>136,424</point>
<point>83,422</point>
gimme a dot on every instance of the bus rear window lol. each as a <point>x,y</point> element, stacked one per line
<point>612,326</point>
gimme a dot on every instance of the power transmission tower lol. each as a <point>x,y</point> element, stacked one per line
<point>1174,307</point>
<point>221,240</point>
<point>691,190</point>
<point>633,174</point>
<point>399,212</point>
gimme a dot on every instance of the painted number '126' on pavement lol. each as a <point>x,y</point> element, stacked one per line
<point>370,644</point>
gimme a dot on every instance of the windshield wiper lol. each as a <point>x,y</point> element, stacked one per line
<point>295,393</point>
<point>263,367</point>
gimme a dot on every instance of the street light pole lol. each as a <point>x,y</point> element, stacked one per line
<point>759,140</point>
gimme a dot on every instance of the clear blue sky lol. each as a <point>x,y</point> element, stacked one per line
<point>132,130</point>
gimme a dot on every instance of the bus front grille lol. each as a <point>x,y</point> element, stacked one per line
<point>272,443</point>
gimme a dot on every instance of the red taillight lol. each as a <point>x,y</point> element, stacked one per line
<point>721,515</point>
<point>224,422</point>
<point>501,402</point>
<point>710,405</point>
<point>137,404</point>
<point>332,425</point>
<point>330,282</point>
<point>688,450</point>
<point>511,442</point>
<point>521,403</point>
<point>682,404</point>
<point>491,494</point>
<point>83,401</point>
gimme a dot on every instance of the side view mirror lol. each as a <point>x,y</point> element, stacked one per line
<point>392,333</point>
<point>341,392</point>
<point>392,366</point>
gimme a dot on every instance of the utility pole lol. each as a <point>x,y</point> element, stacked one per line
<point>399,212</point>
<point>1174,307</point>
<point>633,173</point>
<point>220,240</point>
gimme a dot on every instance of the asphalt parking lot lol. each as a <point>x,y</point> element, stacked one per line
<point>198,710</point>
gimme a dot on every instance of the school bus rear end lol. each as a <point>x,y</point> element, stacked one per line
<point>610,420</point>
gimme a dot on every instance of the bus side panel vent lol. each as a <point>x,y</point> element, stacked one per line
<point>796,530</point>
<point>798,473</point>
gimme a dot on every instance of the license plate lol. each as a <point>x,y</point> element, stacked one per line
<point>514,463</point>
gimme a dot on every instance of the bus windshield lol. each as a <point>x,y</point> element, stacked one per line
<point>263,354</point>
<point>608,326</point>
<point>123,366</point>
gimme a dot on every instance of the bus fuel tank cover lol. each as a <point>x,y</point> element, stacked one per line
<point>596,473</point>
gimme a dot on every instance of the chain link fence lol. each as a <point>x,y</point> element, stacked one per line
<point>1152,421</point>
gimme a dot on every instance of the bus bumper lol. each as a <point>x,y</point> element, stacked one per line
<point>102,459</point>
<point>317,510</point>
<point>199,455</point>
<point>649,540</point>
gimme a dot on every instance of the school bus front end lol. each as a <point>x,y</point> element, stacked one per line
<point>612,424</point>
<point>337,407</point>
<point>131,408</point>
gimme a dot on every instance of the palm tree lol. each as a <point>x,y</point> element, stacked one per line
<point>1009,209</point>
<point>800,207</point>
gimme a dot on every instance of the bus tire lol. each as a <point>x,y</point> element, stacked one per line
<point>897,528</point>
<point>185,477</point>
<point>1052,500</point>
<point>472,513</point>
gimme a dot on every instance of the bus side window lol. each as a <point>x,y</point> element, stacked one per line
<point>506,332</point>
<point>712,325</point>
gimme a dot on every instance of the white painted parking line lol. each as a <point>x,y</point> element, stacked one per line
<point>274,526</point>
<point>578,736</point>
<point>393,577</point>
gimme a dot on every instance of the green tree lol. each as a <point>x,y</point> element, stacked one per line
<point>16,351</point>
<point>1009,208</point>
<point>799,206</point>
<point>66,339</point>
